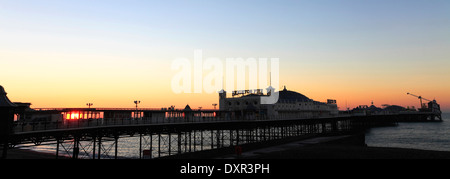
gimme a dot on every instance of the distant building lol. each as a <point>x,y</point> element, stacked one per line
<point>373,110</point>
<point>290,104</point>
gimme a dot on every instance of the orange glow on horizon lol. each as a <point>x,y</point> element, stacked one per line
<point>350,98</point>
<point>55,60</point>
<point>155,92</point>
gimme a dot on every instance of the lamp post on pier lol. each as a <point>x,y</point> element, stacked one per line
<point>136,102</point>
<point>89,104</point>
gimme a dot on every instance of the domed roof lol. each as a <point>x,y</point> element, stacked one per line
<point>394,108</point>
<point>287,95</point>
<point>187,108</point>
<point>2,90</point>
<point>4,101</point>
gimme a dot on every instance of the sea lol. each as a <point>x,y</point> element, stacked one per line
<point>425,136</point>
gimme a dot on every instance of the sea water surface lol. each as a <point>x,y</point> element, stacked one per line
<point>425,136</point>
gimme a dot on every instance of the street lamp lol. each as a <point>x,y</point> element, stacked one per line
<point>89,104</point>
<point>214,106</point>
<point>136,102</point>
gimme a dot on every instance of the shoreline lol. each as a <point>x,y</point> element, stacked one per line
<point>319,147</point>
<point>30,154</point>
<point>336,151</point>
<point>339,147</point>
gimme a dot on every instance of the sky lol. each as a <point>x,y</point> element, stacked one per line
<point>61,53</point>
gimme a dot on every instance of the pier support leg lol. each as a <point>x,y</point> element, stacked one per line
<point>190,141</point>
<point>170,146</point>
<point>76,148</point>
<point>185,142</point>
<point>212,139</point>
<point>159,144</point>
<point>93,146</point>
<point>99,147</point>
<point>324,127</point>
<point>57,148</point>
<point>264,133</point>
<point>201,140</point>
<point>140,146</point>
<point>218,138</point>
<point>231,137</point>
<point>116,140</point>
<point>195,141</point>
<point>237,137</point>
<point>179,143</point>
<point>151,145</point>
<point>334,126</point>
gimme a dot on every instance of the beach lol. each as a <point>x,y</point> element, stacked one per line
<point>30,154</point>
<point>296,150</point>
<point>336,151</point>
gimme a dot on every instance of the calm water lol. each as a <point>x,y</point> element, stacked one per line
<point>427,136</point>
<point>128,147</point>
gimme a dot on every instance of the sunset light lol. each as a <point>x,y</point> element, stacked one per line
<point>235,79</point>
<point>372,52</point>
<point>75,115</point>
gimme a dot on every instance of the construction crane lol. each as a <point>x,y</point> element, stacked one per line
<point>420,98</point>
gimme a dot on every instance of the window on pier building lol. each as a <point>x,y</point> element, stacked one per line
<point>75,115</point>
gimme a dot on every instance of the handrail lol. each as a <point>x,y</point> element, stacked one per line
<point>120,109</point>
<point>20,127</point>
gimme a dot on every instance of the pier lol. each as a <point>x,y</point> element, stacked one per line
<point>173,135</point>
<point>96,133</point>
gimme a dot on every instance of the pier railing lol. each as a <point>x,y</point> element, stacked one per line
<point>84,123</point>
<point>20,127</point>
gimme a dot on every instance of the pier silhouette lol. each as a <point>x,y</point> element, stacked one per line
<point>173,132</point>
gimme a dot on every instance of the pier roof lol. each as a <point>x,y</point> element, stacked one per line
<point>4,101</point>
<point>292,96</point>
<point>285,95</point>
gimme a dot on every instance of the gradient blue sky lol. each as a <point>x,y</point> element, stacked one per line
<point>350,50</point>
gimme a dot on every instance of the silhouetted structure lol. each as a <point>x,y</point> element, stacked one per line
<point>166,132</point>
<point>246,104</point>
<point>6,119</point>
